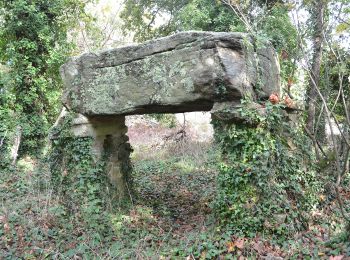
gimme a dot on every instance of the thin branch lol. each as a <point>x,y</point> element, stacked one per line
<point>235,8</point>
<point>316,142</point>
<point>337,160</point>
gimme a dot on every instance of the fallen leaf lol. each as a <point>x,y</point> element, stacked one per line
<point>230,246</point>
<point>291,144</point>
<point>239,243</point>
<point>258,247</point>
<point>6,228</point>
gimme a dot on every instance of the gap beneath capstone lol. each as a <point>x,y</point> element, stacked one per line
<point>173,168</point>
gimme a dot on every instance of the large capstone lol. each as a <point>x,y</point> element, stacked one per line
<point>188,71</point>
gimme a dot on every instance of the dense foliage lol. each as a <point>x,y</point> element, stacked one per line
<point>33,44</point>
<point>7,120</point>
<point>80,181</point>
<point>267,179</point>
<point>270,20</point>
<point>264,20</point>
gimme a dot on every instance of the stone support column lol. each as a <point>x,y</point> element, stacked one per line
<point>111,144</point>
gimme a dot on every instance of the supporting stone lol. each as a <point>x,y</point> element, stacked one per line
<point>110,143</point>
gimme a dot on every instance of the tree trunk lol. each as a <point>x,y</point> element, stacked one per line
<point>16,144</point>
<point>318,9</point>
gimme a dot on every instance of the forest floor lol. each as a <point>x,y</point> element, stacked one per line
<point>170,216</point>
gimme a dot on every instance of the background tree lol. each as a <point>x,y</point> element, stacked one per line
<point>318,10</point>
<point>267,19</point>
<point>33,44</point>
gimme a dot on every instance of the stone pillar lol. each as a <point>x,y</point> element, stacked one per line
<point>111,144</point>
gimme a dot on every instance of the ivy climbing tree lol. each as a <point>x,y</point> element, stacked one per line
<point>33,44</point>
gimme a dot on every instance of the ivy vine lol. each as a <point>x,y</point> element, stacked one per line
<point>79,179</point>
<point>267,181</point>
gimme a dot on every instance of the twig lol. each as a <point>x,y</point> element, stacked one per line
<point>240,15</point>
<point>314,140</point>
<point>127,186</point>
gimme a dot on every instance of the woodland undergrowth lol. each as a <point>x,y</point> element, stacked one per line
<point>257,198</point>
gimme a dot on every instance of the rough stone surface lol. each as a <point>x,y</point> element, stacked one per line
<point>185,72</point>
<point>110,139</point>
<point>110,143</point>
